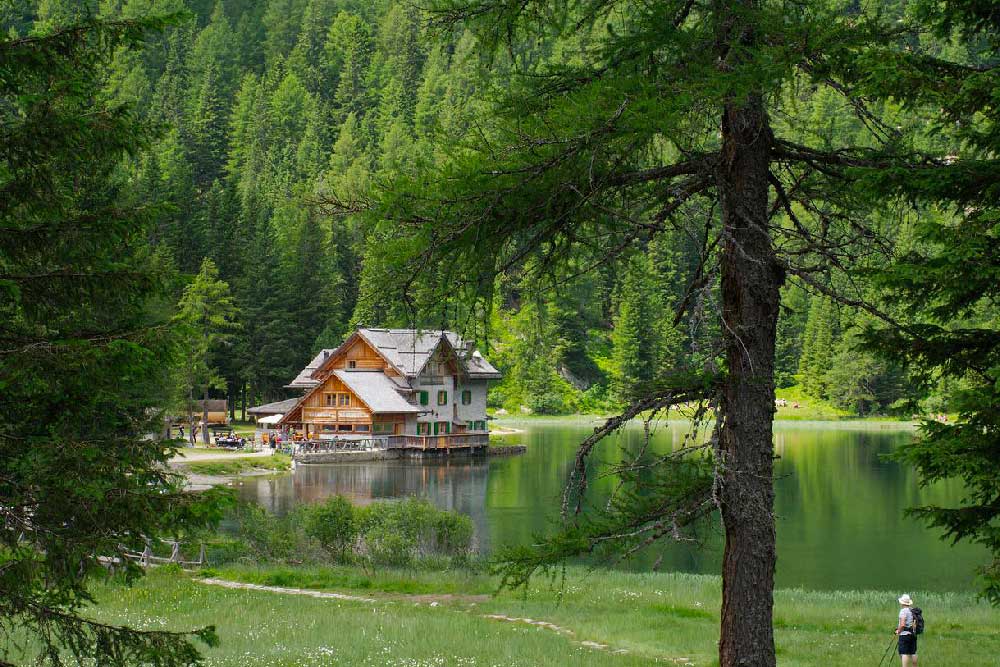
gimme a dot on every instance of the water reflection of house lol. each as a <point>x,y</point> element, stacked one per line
<point>416,389</point>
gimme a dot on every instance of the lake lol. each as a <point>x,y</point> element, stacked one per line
<point>839,507</point>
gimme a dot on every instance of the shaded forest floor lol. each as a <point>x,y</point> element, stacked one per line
<point>418,619</point>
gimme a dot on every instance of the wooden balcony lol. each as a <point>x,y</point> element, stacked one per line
<point>442,442</point>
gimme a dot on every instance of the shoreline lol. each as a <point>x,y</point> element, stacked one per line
<point>597,419</point>
<point>199,473</point>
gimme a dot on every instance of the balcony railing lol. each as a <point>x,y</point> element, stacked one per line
<point>444,441</point>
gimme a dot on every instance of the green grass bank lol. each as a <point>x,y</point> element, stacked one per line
<point>236,465</point>
<point>442,619</point>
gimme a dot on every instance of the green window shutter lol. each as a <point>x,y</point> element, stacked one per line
<point>436,428</point>
<point>447,427</point>
<point>424,398</point>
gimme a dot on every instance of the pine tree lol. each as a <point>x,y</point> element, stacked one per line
<point>281,20</point>
<point>664,120</point>
<point>209,125</point>
<point>402,62</point>
<point>949,284</point>
<point>306,59</point>
<point>818,340</point>
<point>84,355</point>
<point>215,50</point>
<point>205,317</point>
<point>633,333</point>
<point>349,47</point>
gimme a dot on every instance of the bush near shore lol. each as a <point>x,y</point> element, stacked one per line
<point>410,532</point>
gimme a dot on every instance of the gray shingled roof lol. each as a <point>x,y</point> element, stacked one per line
<point>304,379</point>
<point>276,408</point>
<point>376,390</point>
<point>409,349</point>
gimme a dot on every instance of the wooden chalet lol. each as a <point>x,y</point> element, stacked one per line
<point>404,387</point>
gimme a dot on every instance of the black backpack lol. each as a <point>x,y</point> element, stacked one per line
<point>918,620</point>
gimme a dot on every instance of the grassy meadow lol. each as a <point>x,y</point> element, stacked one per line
<point>439,619</point>
<point>235,465</point>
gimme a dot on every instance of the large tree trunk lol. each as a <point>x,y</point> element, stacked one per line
<point>751,279</point>
<point>191,434</point>
<point>204,417</point>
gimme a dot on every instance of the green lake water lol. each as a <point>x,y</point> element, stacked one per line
<point>839,507</point>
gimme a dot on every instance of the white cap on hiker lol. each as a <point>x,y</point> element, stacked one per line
<point>905,600</point>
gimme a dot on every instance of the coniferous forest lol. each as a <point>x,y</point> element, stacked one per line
<point>268,110</point>
<point>632,208</point>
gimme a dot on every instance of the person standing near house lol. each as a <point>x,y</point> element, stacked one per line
<point>907,632</point>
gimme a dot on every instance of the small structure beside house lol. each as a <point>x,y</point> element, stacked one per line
<point>270,409</point>
<point>267,416</point>
<point>218,412</point>
<point>407,388</point>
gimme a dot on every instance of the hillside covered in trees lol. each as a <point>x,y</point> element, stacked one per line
<point>270,109</point>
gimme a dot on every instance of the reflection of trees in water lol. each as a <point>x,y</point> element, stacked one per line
<point>840,508</point>
<point>457,484</point>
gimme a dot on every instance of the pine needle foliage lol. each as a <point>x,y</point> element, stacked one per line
<point>950,282</point>
<point>622,121</point>
<point>84,355</point>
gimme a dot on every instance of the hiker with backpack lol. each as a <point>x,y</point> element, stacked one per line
<point>911,624</point>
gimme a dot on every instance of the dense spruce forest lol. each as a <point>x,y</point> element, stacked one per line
<point>631,207</point>
<point>268,109</point>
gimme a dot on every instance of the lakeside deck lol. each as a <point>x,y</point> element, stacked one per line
<point>390,446</point>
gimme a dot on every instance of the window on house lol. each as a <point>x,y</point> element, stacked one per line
<point>442,397</point>
<point>362,428</point>
<point>344,400</point>
<point>424,398</point>
<point>482,425</point>
<point>466,397</point>
<point>345,427</point>
<point>352,364</point>
<point>423,428</point>
<point>330,400</point>
<point>382,427</point>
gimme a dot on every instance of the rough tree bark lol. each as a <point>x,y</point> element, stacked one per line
<point>204,417</point>
<point>751,279</point>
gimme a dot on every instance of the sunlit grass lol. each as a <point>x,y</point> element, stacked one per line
<point>655,618</point>
<point>236,466</point>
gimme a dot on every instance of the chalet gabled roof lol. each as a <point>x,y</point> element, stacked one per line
<point>304,380</point>
<point>409,350</point>
<point>406,350</point>
<point>378,392</point>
